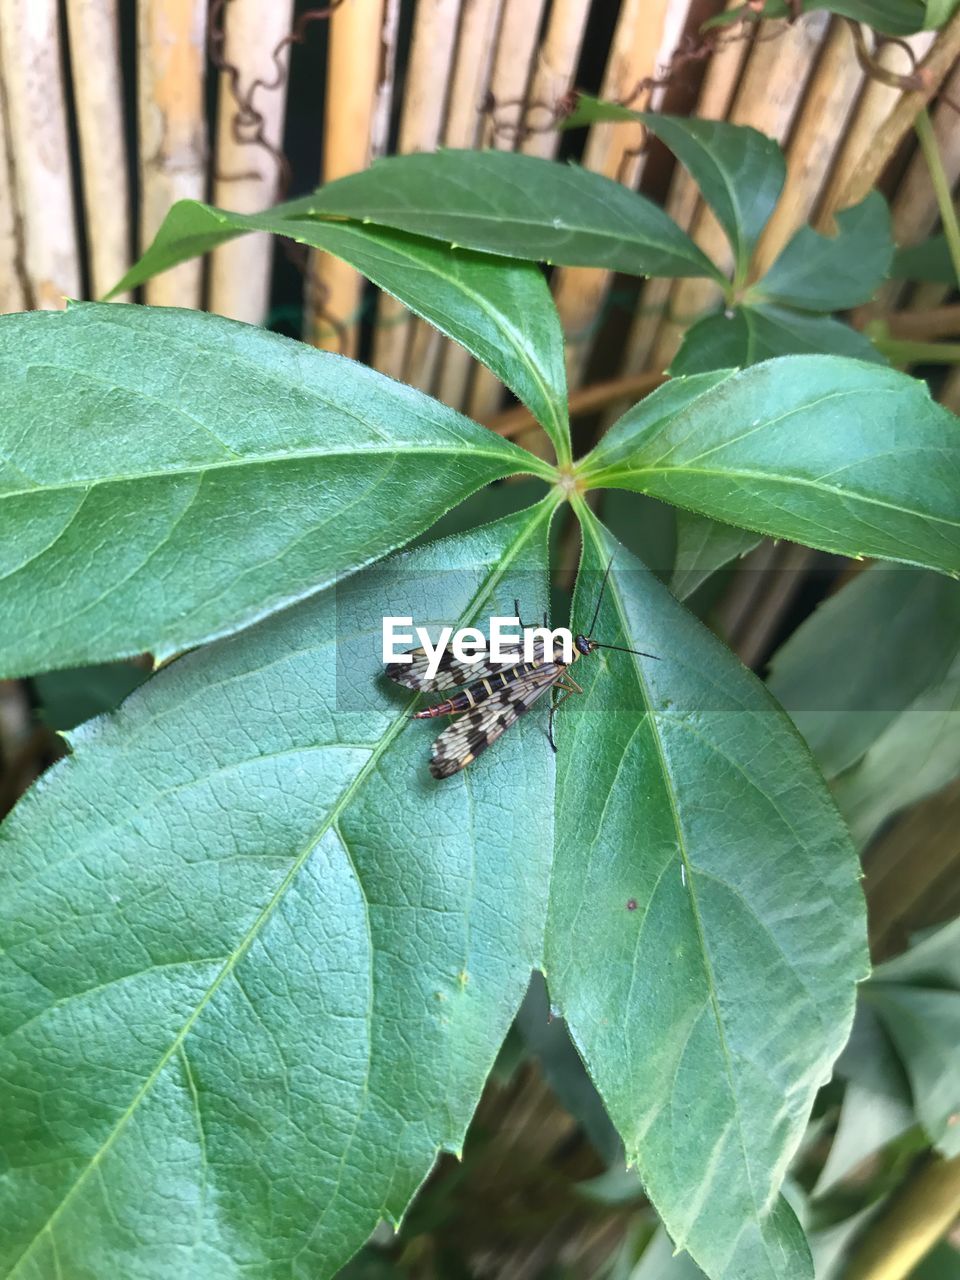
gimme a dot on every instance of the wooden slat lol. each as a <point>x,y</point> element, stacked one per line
<point>13,291</point>
<point>353,133</point>
<point>872,108</point>
<point>646,36</point>
<point>421,125</point>
<point>547,77</point>
<point>716,95</point>
<point>431,358</point>
<point>933,70</point>
<point>33,84</point>
<point>829,99</point>
<point>246,176</point>
<point>171,63</point>
<point>512,70</point>
<point>98,93</point>
<point>768,96</point>
<point>510,79</point>
<point>914,206</point>
<point>554,71</point>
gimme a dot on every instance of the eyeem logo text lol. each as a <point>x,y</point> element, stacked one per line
<point>470,645</point>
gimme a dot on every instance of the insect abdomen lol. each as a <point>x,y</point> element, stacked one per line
<point>479,692</point>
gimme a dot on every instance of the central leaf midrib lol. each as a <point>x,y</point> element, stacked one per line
<point>689,869</point>
<point>330,822</point>
<point>465,450</point>
<point>614,238</point>
<point>601,479</point>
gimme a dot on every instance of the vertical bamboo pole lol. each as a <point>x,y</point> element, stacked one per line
<point>942,55</point>
<point>509,81</point>
<point>245,176</point>
<point>646,36</point>
<point>873,107</point>
<point>171,61</point>
<point>820,125</point>
<point>39,150</point>
<point>428,73</point>
<point>512,65</point>
<point>719,87</point>
<point>13,290</point>
<point>914,206</point>
<point>98,94</point>
<point>355,72</point>
<point>470,81</point>
<point>768,95</point>
<point>433,359</point>
<point>554,71</point>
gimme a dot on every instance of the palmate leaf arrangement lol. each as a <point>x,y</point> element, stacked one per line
<point>257,963</point>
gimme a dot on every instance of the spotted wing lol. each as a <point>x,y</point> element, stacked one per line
<point>452,673</point>
<point>475,730</point>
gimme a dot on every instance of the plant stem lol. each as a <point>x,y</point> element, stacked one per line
<point>932,70</point>
<point>919,1215</point>
<point>938,322</point>
<point>900,351</point>
<point>598,395</point>
<point>941,186</point>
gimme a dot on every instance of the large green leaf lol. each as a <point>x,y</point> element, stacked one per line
<point>932,959</point>
<point>929,260</point>
<point>892,17</point>
<point>255,963</point>
<point>739,170</point>
<point>916,755</point>
<point>860,660</point>
<point>702,868</point>
<point>703,547</point>
<point>169,476</point>
<point>876,1105</point>
<point>821,450</point>
<point>924,1025</point>
<point>521,206</point>
<point>833,273</point>
<point>745,335</point>
<point>500,310</point>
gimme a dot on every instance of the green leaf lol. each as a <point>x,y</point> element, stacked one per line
<point>67,698</point>
<point>891,17</point>
<point>924,1025</point>
<point>520,206</point>
<point>814,449</point>
<point>739,170</point>
<point>860,660</point>
<point>660,1261</point>
<point>833,273</point>
<point>699,815</point>
<point>255,963</point>
<point>703,547</point>
<point>171,476</point>
<point>876,1105</point>
<point>939,12</point>
<point>747,335</point>
<point>546,1037</point>
<point>916,755</point>
<point>500,310</point>
<point>930,260</point>
<point>932,960</point>
<point>645,526</point>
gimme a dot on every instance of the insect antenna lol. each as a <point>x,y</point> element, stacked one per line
<point>622,648</point>
<point>596,614</point>
<point>603,587</point>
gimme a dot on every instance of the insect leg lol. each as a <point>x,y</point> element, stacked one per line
<point>568,685</point>
<point>525,625</point>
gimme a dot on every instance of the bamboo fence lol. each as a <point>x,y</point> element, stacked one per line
<point>110,111</point>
